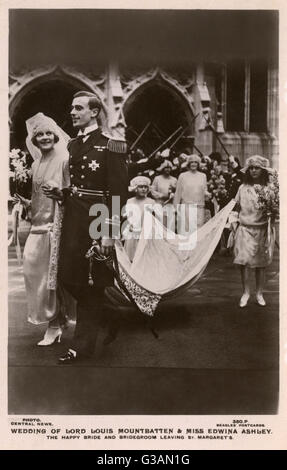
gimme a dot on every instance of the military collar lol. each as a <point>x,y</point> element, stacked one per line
<point>88,129</point>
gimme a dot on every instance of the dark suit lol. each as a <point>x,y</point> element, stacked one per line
<point>98,171</point>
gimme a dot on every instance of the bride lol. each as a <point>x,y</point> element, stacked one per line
<point>47,145</point>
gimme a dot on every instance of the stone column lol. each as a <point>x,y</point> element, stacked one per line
<point>247,98</point>
<point>116,120</point>
<point>203,136</point>
<point>272,113</point>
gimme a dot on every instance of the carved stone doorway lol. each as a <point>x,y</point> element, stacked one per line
<point>53,98</point>
<point>163,108</point>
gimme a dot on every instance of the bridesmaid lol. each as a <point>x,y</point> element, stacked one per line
<point>162,190</point>
<point>135,207</point>
<point>164,185</point>
<point>191,191</point>
<point>253,248</point>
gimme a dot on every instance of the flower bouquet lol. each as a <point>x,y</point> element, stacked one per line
<point>268,198</point>
<point>217,187</point>
<point>19,171</point>
<point>268,203</point>
<point>20,176</point>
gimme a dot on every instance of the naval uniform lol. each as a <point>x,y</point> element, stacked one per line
<point>98,171</point>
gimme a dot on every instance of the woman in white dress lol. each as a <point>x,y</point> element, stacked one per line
<point>191,191</point>
<point>254,243</point>
<point>40,253</point>
<point>162,190</point>
<point>135,208</point>
<point>163,186</point>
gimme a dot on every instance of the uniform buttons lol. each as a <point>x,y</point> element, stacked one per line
<point>83,167</point>
<point>80,194</point>
<point>71,166</point>
<point>82,176</point>
<point>72,176</point>
<point>81,186</point>
<point>85,157</point>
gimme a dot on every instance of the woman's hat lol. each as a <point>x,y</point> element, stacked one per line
<point>139,181</point>
<point>191,158</point>
<point>165,164</point>
<point>39,123</point>
<point>257,160</point>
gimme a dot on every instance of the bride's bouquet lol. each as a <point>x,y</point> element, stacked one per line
<point>19,172</point>
<point>268,198</point>
<point>19,175</point>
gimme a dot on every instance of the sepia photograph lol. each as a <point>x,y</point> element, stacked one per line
<point>143,212</point>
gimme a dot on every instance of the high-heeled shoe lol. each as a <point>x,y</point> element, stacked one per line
<point>244,300</point>
<point>51,336</point>
<point>260,300</point>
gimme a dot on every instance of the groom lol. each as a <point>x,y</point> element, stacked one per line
<point>98,172</point>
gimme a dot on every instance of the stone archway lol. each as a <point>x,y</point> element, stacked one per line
<point>158,102</point>
<point>53,98</point>
<point>50,92</point>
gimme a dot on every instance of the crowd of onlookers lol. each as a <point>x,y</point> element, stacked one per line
<point>166,179</point>
<point>222,171</point>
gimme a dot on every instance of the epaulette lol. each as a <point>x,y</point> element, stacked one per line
<point>117,146</point>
